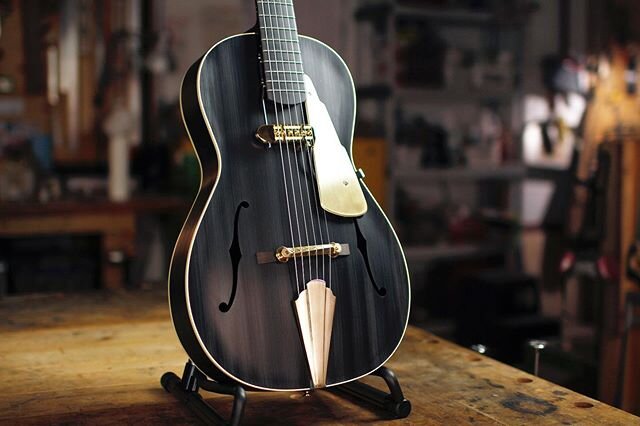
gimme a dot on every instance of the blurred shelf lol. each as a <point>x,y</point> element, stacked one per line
<point>373,91</point>
<point>443,16</point>
<point>447,16</point>
<point>504,172</point>
<point>420,95</point>
<point>449,251</point>
<point>137,203</point>
<point>373,12</point>
<point>425,96</point>
<point>410,24</point>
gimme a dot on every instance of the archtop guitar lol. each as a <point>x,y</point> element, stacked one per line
<point>286,275</point>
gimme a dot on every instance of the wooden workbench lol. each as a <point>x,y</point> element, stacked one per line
<point>97,359</point>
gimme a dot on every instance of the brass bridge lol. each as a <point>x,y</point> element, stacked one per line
<point>284,254</point>
<point>278,133</point>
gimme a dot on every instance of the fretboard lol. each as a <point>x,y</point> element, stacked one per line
<point>281,59</point>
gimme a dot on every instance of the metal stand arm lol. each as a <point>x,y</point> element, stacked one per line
<point>392,402</point>
<point>186,391</point>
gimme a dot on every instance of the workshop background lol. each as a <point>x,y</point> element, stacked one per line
<point>502,138</point>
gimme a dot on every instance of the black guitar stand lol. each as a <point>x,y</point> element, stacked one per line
<point>393,402</point>
<point>186,389</point>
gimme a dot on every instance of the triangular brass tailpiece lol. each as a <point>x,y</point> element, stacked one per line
<point>315,307</point>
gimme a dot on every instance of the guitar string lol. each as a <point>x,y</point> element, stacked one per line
<point>314,211</point>
<point>316,194</point>
<point>309,310</point>
<point>280,92</point>
<point>291,62</point>
<point>287,146</point>
<point>308,176</point>
<point>311,159</point>
<point>302,145</point>
<point>284,173</point>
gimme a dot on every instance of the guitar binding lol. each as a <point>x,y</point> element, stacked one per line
<point>186,390</point>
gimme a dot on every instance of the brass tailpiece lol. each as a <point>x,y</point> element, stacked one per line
<point>315,307</point>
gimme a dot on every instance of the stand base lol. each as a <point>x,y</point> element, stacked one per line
<point>393,402</point>
<point>186,389</point>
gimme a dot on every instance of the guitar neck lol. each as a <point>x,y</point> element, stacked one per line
<point>281,59</point>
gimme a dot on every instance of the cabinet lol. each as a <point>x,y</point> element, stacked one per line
<point>440,81</point>
<point>442,85</point>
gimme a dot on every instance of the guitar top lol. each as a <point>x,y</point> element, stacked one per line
<point>286,275</point>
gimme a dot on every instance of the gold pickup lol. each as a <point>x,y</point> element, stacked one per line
<point>278,133</point>
<point>284,254</point>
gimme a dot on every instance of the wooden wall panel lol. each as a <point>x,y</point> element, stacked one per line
<point>628,217</point>
<point>370,155</point>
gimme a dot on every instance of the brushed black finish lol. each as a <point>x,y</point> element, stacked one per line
<point>257,341</point>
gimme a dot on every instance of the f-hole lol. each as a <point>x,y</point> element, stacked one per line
<point>235,254</point>
<point>362,247</point>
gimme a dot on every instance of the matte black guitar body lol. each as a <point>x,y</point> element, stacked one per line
<point>235,317</point>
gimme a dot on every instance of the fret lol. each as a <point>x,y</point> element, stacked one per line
<point>277,74</point>
<point>279,64</point>
<point>301,81</point>
<point>281,51</point>
<point>284,72</point>
<point>278,21</point>
<point>282,76</point>
<point>287,90</point>
<point>268,15</point>
<point>280,45</point>
<point>280,58</point>
<point>269,28</point>
<point>277,11</point>
<point>280,39</point>
<point>286,3</point>
<point>281,61</point>
<point>281,68</point>
<point>283,56</point>
<point>265,27</point>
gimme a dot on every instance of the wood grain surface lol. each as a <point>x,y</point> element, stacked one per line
<point>96,359</point>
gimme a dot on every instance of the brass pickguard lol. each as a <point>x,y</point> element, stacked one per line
<point>338,187</point>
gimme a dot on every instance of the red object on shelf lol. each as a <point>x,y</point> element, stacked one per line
<point>567,262</point>
<point>465,229</point>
